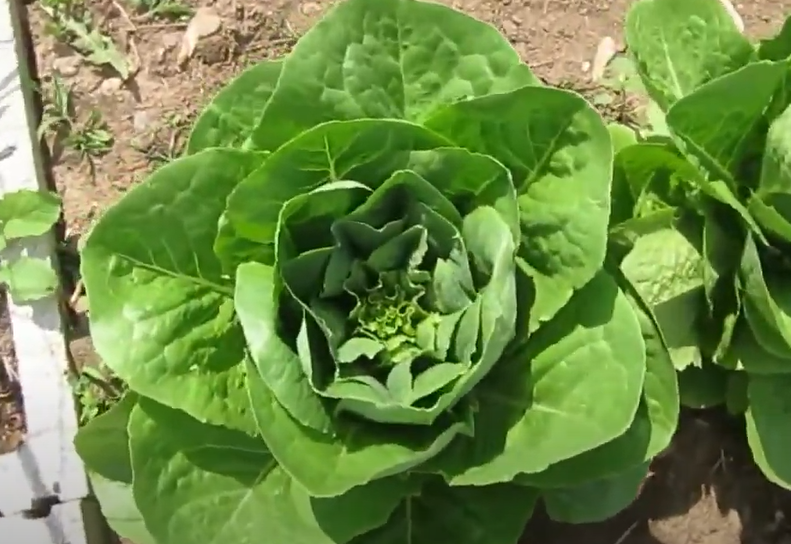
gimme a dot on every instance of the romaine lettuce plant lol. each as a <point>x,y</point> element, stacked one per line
<point>701,216</point>
<point>371,304</point>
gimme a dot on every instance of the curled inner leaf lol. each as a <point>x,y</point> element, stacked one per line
<point>399,298</point>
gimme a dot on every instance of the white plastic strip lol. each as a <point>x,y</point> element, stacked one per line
<point>46,464</point>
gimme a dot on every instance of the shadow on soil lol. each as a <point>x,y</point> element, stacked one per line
<point>704,490</point>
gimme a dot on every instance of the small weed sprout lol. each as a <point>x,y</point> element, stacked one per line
<point>71,22</point>
<point>96,389</point>
<point>90,138</point>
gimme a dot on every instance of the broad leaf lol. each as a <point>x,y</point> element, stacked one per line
<point>776,168</point>
<point>162,314</point>
<point>368,151</point>
<point>103,443</point>
<point>231,116</point>
<point>666,268</point>
<point>28,278</point>
<point>539,404</point>
<point>652,428</point>
<point>778,47</point>
<point>28,213</point>
<point>224,486</point>
<point>746,353</point>
<point>722,143</point>
<point>768,431</point>
<point>355,453</point>
<point>597,500</point>
<point>393,46</point>
<point>703,387</point>
<point>119,509</point>
<point>277,364</point>
<point>767,303</point>
<point>461,515</point>
<point>560,156</point>
<point>679,45</point>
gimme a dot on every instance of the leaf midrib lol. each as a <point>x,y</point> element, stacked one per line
<point>197,280</point>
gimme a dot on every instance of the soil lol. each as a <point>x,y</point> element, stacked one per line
<point>12,421</point>
<point>704,490</point>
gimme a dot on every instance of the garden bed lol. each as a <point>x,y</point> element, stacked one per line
<point>114,119</point>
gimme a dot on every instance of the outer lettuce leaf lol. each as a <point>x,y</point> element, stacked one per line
<point>162,314</point>
<point>652,428</point>
<point>768,431</point>
<point>724,143</point>
<point>103,445</point>
<point>352,454</point>
<point>560,156</point>
<point>666,268</point>
<point>233,114</point>
<point>462,515</point>
<point>597,500</point>
<point>703,387</point>
<point>224,486</point>
<point>776,166</point>
<point>398,72</point>
<point>767,303</point>
<point>679,45</point>
<point>119,509</point>
<point>778,47</point>
<point>594,343</point>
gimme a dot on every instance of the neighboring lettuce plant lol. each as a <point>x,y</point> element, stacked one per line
<point>371,304</point>
<point>25,214</point>
<point>702,217</point>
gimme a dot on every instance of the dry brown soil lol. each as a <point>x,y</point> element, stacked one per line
<point>12,422</point>
<point>704,490</point>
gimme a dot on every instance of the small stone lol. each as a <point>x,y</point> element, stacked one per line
<point>203,24</point>
<point>141,120</point>
<point>309,8</point>
<point>171,40</point>
<point>510,29</point>
<point>111,86</point>
<point>67,66</point>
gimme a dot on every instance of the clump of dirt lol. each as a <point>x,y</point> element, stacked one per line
<point>12,413</point>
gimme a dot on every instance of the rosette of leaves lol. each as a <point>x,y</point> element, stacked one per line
<point>370,305</point>
<point>702,215</point>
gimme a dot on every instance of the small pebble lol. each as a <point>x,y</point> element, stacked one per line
<point>67,66</point>
<point>111,86</point>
